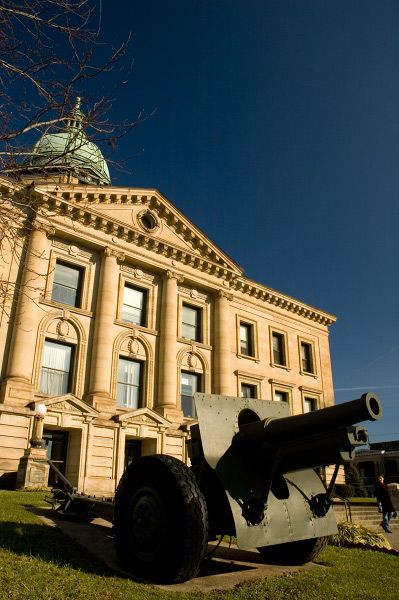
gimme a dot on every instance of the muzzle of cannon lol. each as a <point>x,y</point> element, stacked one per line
<point>253,475</point>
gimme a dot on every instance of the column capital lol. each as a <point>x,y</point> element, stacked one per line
<point>120,256</point>
<point>173,275</point>
<point>49,230</point>
<point>225,294</point>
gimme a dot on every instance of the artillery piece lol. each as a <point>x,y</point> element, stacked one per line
<point>252,476</point>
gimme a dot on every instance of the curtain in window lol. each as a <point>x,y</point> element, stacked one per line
<point>128,390</point>
<point>56,367</point>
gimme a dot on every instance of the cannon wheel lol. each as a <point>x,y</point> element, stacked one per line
<point>294,553</point>
<point>160,520</point>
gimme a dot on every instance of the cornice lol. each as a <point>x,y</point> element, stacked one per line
<point>288,303</point>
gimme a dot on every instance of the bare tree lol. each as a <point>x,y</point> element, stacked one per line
<point>48,51</point>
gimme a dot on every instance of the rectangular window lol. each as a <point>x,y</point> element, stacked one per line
<point>67,284</point>
<point>189,384</point>
<point>129,392</point>
<point>248,390</point>
<point>55,377</point>
<point>278,342</point>
<point>134,308</point>
<point>191,323</point>
<point>307,357</point>
<point>280,396</point>
<point>246,339</point>
<point>309,404</point>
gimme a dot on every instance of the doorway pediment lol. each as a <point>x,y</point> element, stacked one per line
<point>69,404</point>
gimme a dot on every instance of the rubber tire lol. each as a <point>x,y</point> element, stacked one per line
<point>294,553</point>
<point>160,520</point>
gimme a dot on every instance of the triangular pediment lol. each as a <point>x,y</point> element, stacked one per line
<point>143,415</point>
<point>133,209</point>
<point>69,404</point>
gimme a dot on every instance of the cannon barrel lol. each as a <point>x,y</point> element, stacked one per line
<point>275,431</point>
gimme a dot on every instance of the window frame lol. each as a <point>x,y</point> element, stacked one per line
<point>141,284</point>
<point>198,310</point>
<point>144,315</point>
<point>284,339</point>
<point>312,355</point>
<point>141,387</point>
<point>311,394</point>
<point>251,386</point>
<point>284,388</point>
<point>245,378</point>
<point>200,382</point>
<point>79,289</point>
<point>242,321</point>
<point>71,372</point>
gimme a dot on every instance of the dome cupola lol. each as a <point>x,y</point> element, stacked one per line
<point>68,154</point>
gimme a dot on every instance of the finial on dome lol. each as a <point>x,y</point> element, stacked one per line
<point>75,117</point>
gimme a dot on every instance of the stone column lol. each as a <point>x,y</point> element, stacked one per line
<point>222,344</point>
<point>28,315</point>
<point>103,338</point>
<point>167,366</point>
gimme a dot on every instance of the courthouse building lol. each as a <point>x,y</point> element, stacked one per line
<point>116,308</point>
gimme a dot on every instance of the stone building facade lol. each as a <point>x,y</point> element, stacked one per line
<point>117,310</point>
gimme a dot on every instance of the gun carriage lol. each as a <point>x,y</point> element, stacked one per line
<point>253,475</point>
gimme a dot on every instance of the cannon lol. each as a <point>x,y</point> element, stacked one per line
<point>253,475</point>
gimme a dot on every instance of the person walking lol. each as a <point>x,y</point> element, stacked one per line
<point>384,503</point>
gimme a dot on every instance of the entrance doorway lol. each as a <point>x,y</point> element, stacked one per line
<point>56,443</point>
<point>133,449</point>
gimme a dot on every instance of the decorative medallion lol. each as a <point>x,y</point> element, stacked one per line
<point>63,328</point>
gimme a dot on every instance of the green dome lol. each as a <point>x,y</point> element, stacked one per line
<point>70,151</point>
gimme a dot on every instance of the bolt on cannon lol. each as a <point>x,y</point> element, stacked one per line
<point>252,475</point>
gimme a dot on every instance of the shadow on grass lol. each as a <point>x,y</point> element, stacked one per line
<point>50,545</point>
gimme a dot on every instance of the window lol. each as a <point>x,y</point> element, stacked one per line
<point>189,384</point>
<point>246,339</point>
<point>55,377</point>
<point>191,323</point>
<point>129,389</point>
<point>248,390</point>
<point>307,357</point>
<point>67,285</point>
<point>280,396</point>
<point>309,404</point>
<point>278,343</point>
<point>134,305</point>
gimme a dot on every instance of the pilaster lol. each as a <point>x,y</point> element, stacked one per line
<point>167,382</point>
<point>27,318</point>
<point>223,380</point>
<point>99,395</point>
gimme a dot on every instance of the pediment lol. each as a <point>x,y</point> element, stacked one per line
<point>123,211</point>
<point>69,404</point>
<point>143,415</point>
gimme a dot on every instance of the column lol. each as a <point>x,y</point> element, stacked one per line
<point>167,382</point>
<point>103,337</point>
<point>29,313</point>
<point>222,345</point>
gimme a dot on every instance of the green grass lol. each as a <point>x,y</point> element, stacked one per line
<point>38,563</point>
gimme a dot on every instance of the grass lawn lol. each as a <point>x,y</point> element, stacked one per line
<point>38,563</point>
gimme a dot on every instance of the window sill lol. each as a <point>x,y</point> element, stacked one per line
<point>189,342</point>
<point>135,326</point>
<point>314,375</point>
<point>283,367</point>
<point>74,309</point>
<point>253,358</point>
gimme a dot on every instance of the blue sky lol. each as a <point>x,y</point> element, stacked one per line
<point>277,133</point>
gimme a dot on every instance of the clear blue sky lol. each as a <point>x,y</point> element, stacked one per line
<point>277,133</point>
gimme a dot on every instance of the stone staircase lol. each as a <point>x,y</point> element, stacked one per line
<point>364,514</point>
